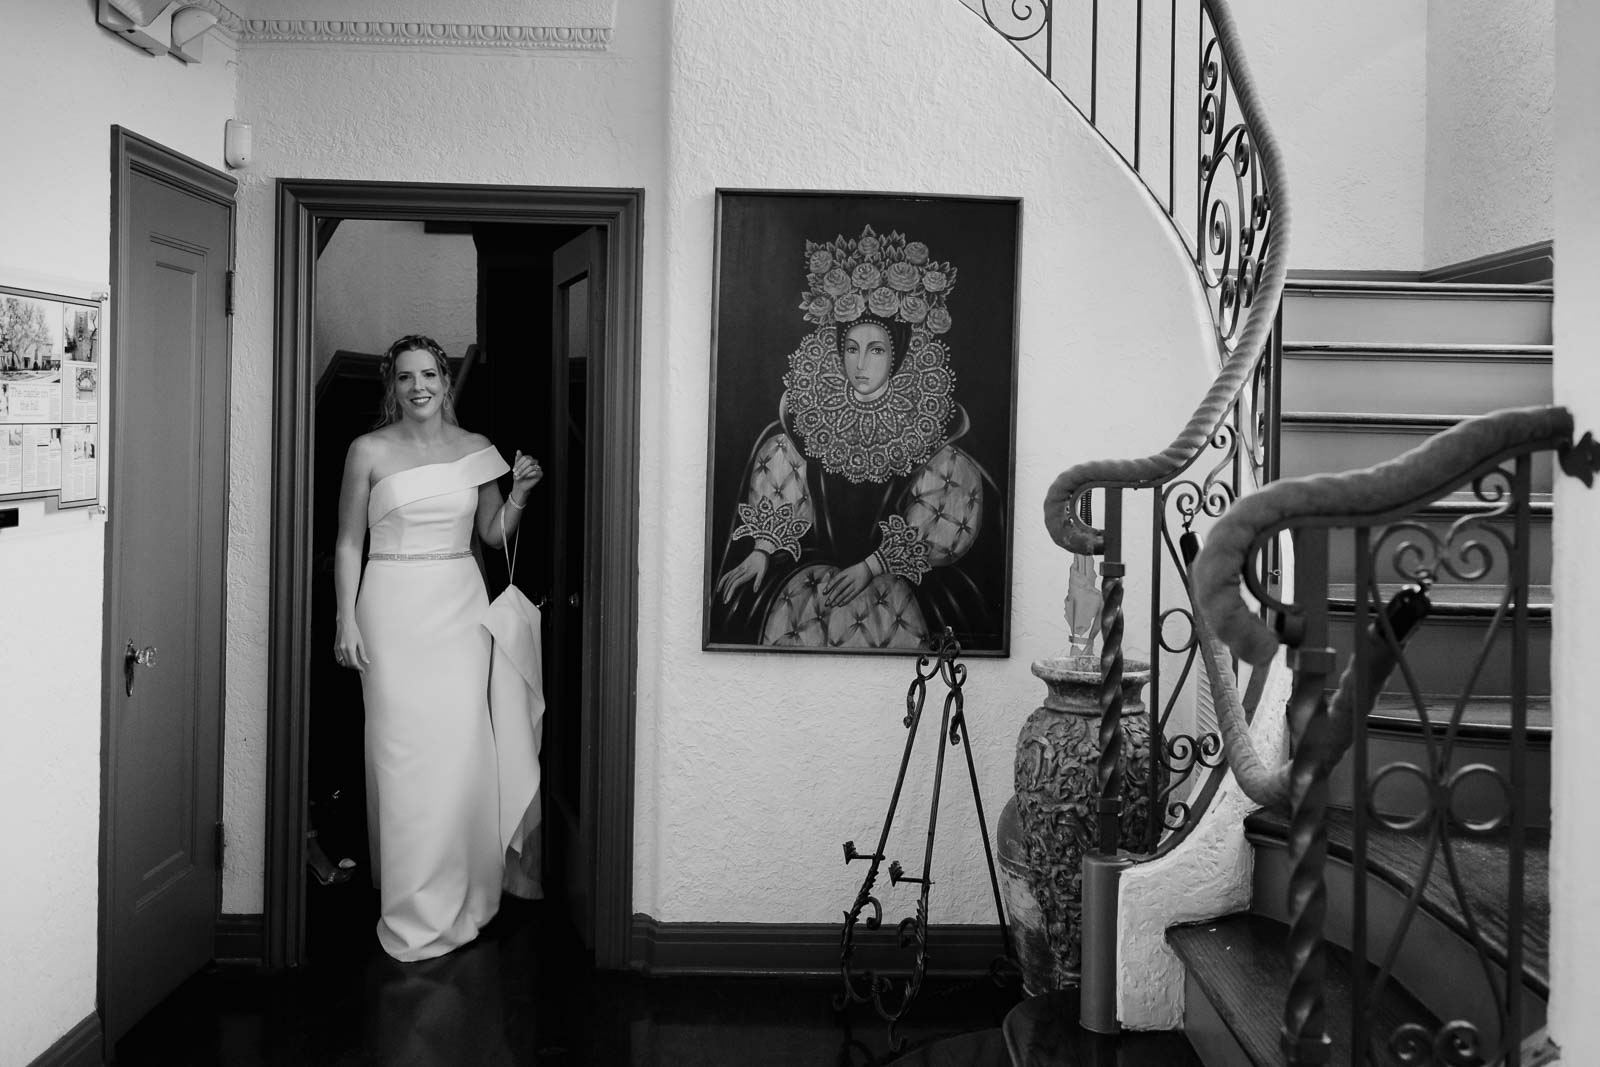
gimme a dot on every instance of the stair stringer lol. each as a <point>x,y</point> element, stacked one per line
<point>1208,875</point>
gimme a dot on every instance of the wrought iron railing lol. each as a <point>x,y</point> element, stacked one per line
<point>1485,468</point>
<point>1165,85</point>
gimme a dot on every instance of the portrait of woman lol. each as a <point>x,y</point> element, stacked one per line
<point>869,513</point>
<point>414,625</point>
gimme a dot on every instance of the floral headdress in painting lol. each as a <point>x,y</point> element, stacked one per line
<point>885,277</point>
<point>863,278</point>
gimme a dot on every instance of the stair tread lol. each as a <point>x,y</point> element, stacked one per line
<point>1480,859</point>
<point>1463,598</point>
<point>1482,716</point>
<point>1239,961</point>
<point>1402,349</point>
<point>1377,419</point>
<point>1530,290</point>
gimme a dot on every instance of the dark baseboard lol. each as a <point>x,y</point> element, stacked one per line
<point>801,949</point>
<point>78,1047</point>
<point>240,939</point>
<point>1517,266</point>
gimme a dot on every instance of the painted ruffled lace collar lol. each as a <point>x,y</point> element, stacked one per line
<point>869,441</point>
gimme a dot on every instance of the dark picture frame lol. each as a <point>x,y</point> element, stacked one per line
<point>879,499</point>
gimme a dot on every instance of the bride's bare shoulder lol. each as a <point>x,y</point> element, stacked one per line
<point>369,450</point>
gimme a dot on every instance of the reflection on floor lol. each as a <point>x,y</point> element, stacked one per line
<point>522,994</point>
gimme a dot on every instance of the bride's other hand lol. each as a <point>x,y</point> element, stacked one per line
<point>348,649</point>
<point>753,569</point>
<point>525,474</point>
<point>846,585</point>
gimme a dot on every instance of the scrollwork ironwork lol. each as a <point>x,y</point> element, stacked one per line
<point>867,986</point>
<point>1235,203</point>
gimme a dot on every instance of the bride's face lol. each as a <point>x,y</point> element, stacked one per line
<point>418,384</point>
<point>867,357</point>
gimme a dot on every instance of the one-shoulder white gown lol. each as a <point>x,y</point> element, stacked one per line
<point>432,790</point>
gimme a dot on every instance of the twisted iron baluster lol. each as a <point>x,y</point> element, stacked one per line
<point>1108,771</point>
<point>1305,1024</point>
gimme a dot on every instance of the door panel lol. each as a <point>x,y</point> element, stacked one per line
<point>168,520</point>
<point>578,305</point>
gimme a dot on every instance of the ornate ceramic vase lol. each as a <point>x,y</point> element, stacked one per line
<point>1050,823</point>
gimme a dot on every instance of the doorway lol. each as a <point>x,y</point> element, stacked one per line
<point>556,276</point>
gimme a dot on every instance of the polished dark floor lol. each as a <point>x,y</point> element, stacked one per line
<point>522,994</point>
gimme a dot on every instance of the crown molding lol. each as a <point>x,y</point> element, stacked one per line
<point>462,35</point>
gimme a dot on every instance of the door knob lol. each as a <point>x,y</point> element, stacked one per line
<point>136,657</point>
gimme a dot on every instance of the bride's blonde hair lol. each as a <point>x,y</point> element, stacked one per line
<point>390,410</point>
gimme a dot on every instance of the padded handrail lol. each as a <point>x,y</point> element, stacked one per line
<point>1387,491</point>
<point>1061,517</point>
<point>1372,495</point>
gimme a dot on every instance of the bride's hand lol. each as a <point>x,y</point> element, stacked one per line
<point>525,474</point>
<point>846,585</point>
<point>348,649</point>
<point>752,569</point>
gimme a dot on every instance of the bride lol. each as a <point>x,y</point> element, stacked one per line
<point>415,632</point>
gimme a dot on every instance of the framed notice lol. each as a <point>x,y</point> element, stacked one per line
<point>51,371</point>
<point>862,436</point>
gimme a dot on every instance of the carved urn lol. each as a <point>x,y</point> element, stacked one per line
<point>1050,823</point>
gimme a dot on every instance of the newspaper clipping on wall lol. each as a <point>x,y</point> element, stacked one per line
<point>50,375</point>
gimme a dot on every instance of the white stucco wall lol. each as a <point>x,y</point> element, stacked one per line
<point>378,280</point>
<point>747,764</point>
<point>1345,87</point>
<point>1574,860</point>
<point>765,764</point>
<point>1491,144</point>
<point>66,82</point>
<point>405,114</point>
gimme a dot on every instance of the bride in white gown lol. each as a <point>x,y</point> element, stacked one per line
<point>422,485</point>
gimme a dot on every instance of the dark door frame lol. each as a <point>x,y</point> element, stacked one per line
<point>610,685</point>
<point>133,154</point>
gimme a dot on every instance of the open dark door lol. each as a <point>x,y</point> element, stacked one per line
<point>578,319</point>
<point>162,835</point>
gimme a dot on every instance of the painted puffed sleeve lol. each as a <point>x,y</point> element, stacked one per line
<point>777,508</point>
<point>943,516</point>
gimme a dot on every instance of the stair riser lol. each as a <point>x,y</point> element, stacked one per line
<point>1477,798</point>
<point>1324,449</point>
<point>1359,317</point>
<point>1444,649</point>
<point>1437,966</point>
<point>1342,554</point>
<point>1397,384</point>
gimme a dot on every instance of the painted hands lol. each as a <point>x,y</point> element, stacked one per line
<point>753,569</point>
<point>846,585</point>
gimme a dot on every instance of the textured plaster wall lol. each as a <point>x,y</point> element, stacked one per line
<point>1574,860</point>
<point>67,82</point>
<point>1491,136</point>
<point>1206,876</point>
<point>595,119</point>
<point>378,280</point>
<point>764,764</point>
<point>750,769</point>
<point>1345,89</point>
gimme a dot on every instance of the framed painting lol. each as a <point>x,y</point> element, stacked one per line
<point>863,416</point>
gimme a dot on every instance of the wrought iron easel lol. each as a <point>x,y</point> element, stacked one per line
<point>867,986</point>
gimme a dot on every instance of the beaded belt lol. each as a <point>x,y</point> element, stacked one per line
<point>418,555</point>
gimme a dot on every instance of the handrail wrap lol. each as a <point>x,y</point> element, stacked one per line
<point>1373,495</point>
<point>1061,517</point>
